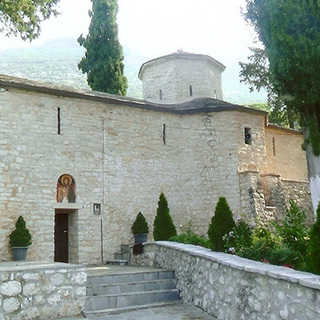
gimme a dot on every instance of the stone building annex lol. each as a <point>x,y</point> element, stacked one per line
<point>80,165</point>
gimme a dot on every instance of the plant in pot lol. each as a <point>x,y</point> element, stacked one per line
<point>20,240</point>
<point>140,229</point>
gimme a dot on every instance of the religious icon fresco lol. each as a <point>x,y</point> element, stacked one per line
<point>66,189</point>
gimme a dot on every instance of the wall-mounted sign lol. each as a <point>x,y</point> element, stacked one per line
<point>97,208</point>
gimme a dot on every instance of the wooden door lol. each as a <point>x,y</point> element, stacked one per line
<point>61,246</point>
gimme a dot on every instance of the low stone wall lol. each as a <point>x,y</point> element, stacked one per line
<point>232,288</point>
<point>41,291</point>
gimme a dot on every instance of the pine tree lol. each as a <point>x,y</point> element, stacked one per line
<point>221,224</point>
<point>315,244</point>
<point>163,227</point>
<point>103,60</point>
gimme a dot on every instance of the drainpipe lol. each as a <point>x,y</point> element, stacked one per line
<point>102,211</point>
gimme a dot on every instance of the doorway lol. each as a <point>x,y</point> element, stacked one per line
<point>63,227</point>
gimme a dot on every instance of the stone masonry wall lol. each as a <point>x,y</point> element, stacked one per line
<point>252,196</point>
<point>232,288</point>
<point>299,191</point>
<point>285,156</point>
<point>278,193</point>
<point>123,158</point>
<point>34,156</point>
<point>118,157</point>
<point>41,292</point>
<point>174,76</point>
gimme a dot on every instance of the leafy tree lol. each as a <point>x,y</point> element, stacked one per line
<point>163,227</point>
<point>221,224</point>
<point>257,75</point>
<point>23,17</point>
<point>277,114</point>
<point>103,60</point>
<point>290,33</point>
<point>20,237</point>
<point>315,245</point>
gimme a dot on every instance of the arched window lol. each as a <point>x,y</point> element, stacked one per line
<point>66,189</point>
<point>190,91</point>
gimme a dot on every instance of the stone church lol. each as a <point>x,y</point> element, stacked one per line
<point>80,165</point>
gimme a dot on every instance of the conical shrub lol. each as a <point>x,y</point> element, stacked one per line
<point>221,224</point>
<point>163,227</point>
<point>140,225</point>
<point>20,237</point>
<point>315,244</point>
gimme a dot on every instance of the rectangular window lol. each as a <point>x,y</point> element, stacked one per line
<point>274,146</point>
<point>59,122</point>
<point>164,133</point>
<point>160,94</point>
<point>190,91</point>
<point>247,136</point>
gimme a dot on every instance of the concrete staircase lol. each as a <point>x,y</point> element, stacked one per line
<point>116,293</point>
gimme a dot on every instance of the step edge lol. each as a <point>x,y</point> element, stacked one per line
<point>129,283</point>
<point>132,308</point>
<point>133,293</point>
<point>127,273</point>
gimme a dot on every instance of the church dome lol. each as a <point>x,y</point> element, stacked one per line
<point>181,76</point>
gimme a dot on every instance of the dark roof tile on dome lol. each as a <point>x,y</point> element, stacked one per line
<point>197,105</point>
<point>181,55</point>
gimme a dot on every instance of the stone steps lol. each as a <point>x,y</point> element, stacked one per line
<point>118,288</point>
<point>130,291</point>
<point>104,312</point>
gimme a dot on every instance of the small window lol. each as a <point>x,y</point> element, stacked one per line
<point>247,136</point>
<point>160,94</point>
<point>190,91</point>
<point>59,121</point>
<point>164,133</point>
<point>274,146</point>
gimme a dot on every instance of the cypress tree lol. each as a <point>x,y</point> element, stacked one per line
<point>103,60</point>
<point>163,227</point>
<point>315,244</point>
<point>221,224</point>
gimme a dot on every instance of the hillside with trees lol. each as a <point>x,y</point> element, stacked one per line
<point>57,61</point>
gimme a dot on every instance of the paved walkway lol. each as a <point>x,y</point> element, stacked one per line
<point>173,312</point>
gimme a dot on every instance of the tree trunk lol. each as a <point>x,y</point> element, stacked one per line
<point>314,177</point>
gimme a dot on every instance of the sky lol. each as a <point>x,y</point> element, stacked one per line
<point>153,27</point>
